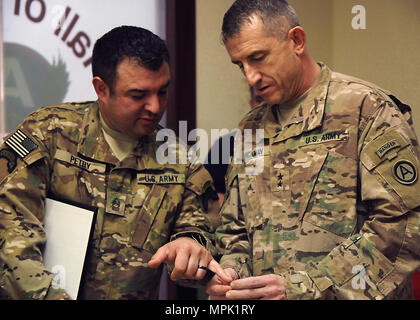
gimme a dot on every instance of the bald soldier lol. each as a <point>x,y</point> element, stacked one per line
<point>334,212</point>
<point>103,154</point>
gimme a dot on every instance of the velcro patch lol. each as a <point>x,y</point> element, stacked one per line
<point>387,146</point>
<point>21,143</point>
<point>10,157</point>
<point>380,148</point>
<point>257,153</point>
<point>400,174</point>
<point>115,203</point>
<point>79,162</point>
<point>405,172</point>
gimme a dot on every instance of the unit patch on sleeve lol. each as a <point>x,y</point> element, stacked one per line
<point>389,145</point>
<point>10,157</point>
<point>405,172</point>
<point>21,143</point>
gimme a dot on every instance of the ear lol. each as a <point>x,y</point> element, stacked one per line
<point>101,88</point>
<point>298,36</point>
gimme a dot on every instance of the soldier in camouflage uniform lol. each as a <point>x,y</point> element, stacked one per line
<point>334,212</point>
<point>103,154</point>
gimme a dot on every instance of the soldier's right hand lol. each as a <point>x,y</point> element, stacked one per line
<point>191,260</point>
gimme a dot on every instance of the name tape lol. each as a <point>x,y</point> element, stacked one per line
<point>79,162</point>
<point>251,155</point>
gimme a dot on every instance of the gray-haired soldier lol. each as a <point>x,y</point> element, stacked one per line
<point>335,213</point>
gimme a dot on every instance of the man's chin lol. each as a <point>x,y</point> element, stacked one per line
<point>146,131</point>
<point>274,99</point>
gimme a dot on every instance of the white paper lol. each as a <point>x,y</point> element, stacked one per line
<point>67,228</point>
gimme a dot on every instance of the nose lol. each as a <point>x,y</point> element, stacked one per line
<point>252,75</point>
<point>153,104</point>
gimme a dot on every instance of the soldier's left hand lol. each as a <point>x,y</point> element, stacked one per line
<point>187,255</point>
<point>266,287</point>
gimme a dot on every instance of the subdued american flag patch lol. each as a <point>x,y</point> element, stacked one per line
<point>21,143</point>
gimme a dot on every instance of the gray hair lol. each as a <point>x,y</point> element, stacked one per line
<point>277,16</point>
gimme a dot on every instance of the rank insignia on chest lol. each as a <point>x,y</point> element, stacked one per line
<point>280,180</point>
<point>115,203</point>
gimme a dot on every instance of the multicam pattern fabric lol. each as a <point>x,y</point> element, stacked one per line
<point>336,209</point>
<point>69,159</point>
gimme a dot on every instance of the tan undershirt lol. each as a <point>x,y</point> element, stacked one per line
<point>120,144</point>
<point>286,111</point>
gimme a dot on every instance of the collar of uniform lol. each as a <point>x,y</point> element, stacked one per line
<point>310,110</point>
<point>92,142</point>
<point>135,160</point>
<point>147,150</point>
<point>142,156</point>
<point>271,124</point>
<point>92,145</point>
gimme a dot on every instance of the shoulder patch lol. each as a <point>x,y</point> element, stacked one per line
<point>21,143</point>
<point>387,146</point>
<point>10,157</point>
<point>384,147</point>
<point>405,172</point>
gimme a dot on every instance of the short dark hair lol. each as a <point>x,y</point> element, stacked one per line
<point>277,15</point>
<point>122,42</point>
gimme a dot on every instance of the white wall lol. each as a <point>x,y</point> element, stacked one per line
<point>33,26</point>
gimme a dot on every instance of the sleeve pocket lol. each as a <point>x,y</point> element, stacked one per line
<point>354,257</point>
<point>390,156</point>
<point>147,214</point>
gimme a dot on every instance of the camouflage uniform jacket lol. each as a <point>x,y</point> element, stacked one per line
<point>335,210</point>
<point>141,204</point>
